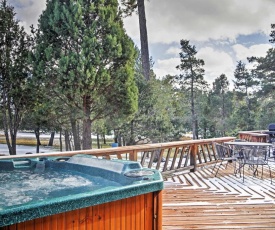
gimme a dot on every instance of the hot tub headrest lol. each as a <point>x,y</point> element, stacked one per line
<point>118,166</point>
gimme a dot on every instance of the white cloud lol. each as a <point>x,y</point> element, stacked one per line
<point>243,52</point>
<point>219,22</point>
<point>174,50</point>
<point>216,63</point>
<point>166,66</point>
<point>28,11</point>
<point>202,20</point>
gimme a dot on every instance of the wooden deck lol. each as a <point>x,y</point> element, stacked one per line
<point>200,201</point>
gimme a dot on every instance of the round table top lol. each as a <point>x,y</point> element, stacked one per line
<point>247,143</point>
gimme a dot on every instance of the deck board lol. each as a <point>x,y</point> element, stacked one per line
<point>201,201</point>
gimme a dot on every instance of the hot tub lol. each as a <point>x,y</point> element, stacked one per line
<point>80,192</point>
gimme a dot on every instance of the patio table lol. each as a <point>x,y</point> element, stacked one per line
<point>247,143</point>
<point>237,145</point>
<point>245,150</point>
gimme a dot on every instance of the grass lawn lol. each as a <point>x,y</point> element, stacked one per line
<point>44,141</point>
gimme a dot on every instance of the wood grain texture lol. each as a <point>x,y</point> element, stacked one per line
<point>134,213</point>
<point>200,201</point>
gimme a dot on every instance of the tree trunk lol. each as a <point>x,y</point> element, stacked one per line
<point>115,136</point>
<point>67,141</point>
<point>143,39</point>
<point>87,124</point>
<point>194,130</point>
<point>6,131</point>
<point>104,139</point>
<point>119,139</point>
<point>223,115</point>
<point>37,136</point>
<point>77,145</point>
<point>60,140</point>
<point>97,139</point>
<point>51,139</point>
<point>13,142</point>
<point>132,138</point>
<point>87,140</point>
<point>9,128</point>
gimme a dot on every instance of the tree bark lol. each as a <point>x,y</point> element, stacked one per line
<point>67,141</point>
<point>97,139</point>
<point>37,136</point>
<point>77,145</point>
<point>132,138</point>
<point>51,139</point>
<point>194,119</point>
<point>87,124</point>
<point>10,122</point>
<point>143,40</point>
<point>60,140</point>
<point>12,151</point>
<point>87,140</point>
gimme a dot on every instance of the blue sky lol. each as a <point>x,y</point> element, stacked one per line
<point>223,31</point>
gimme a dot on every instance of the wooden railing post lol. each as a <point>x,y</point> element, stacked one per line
<point>157,210</point>
<point>133,155</point>
<point>193,157</point>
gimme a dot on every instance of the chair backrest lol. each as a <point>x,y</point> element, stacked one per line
<point>255,155</point>
<point>222,151</point>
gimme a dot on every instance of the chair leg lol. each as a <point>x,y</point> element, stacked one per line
<point>214,167</point>
<point>217,169</point>
<point>243,172</point>
<point>270,173</point>
<point>239,169</point>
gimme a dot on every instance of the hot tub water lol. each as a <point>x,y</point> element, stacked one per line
<point>27,186</point>
<point>36,190</point>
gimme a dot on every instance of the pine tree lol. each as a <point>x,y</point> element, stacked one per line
<point>244,84</point>
<point>15,91</point>
<point>85,57</point>
<point>191,78</point>
<point>130,7</point>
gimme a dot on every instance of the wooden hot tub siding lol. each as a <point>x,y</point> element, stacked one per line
<point>142,212</point>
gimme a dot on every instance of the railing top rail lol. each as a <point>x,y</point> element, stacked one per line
<point>254,131</point>
<point>259,134</point>
<point>123,149</point>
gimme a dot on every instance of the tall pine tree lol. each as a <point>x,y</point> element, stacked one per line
<point>191,79</point>
<point>15,91</point>
<point>85,57</point>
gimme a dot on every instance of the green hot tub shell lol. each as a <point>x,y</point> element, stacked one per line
<point>120,179</point>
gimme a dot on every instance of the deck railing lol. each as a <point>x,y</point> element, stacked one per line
<point>254,136</point>
<point>165,157</point>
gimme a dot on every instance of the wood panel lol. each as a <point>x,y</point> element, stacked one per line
<point>134,213</point>
<point>201,201</point>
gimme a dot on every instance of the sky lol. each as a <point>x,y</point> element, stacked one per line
<point>223,31</point>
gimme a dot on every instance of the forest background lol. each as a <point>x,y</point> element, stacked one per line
<point>79,74</point>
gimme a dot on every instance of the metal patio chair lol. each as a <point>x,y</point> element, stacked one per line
<point>223,153</point>
<point>256,156</point>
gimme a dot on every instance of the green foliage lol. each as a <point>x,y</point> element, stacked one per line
<point>221,106</point>
<point>128,7</point>
<point>191,79</point>
<point>85,76</point>
<point>245,81</point>
<point>15,90</point>
<point>265,73</point>
<point>265,113</point>
<point>244,84</point>
<point>191,68</point>
<point>84,57</point>
<point>272,34</point>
